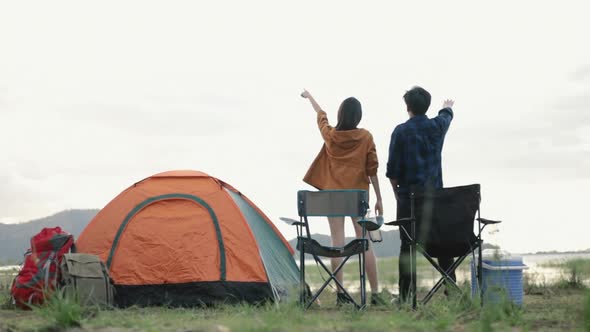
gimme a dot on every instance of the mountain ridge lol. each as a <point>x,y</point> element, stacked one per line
<point>15,238</point>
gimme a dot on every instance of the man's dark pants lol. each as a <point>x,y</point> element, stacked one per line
<point>405,271</point>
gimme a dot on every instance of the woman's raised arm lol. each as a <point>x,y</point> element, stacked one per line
<point>305,94</point>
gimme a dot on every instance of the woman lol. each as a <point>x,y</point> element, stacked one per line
<point>347,160</point>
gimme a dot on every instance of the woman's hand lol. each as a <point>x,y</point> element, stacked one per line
<point>379,208</point>
<point>305,94</point>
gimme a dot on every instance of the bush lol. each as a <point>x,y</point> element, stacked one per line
<point>5,300</point>
<point>535,284</point>
<point>6,278</point>
<point>61,311</point>
<point>504,310</point>
<point>575,272</point>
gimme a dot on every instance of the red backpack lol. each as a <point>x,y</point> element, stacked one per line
<point>39,274</point>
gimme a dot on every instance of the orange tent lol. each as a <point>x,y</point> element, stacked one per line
<point>186,238</point>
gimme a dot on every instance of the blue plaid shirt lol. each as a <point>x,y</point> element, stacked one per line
<point>415,151</point>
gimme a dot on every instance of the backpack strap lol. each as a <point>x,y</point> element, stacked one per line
<point>47,267</point>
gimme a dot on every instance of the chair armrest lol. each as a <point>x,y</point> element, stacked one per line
<point>371,224</point>
<point>292,222</point>
<point>401,222</point>
<point>488,221</point>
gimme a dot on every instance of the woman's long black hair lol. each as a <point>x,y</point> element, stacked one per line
<point>349,114</point>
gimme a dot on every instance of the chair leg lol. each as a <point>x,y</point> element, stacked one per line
<point>317,294</point>
<point>413,286</point>
<point>414,273</point>
<point>333,274</point>
<point>480,272</point>
<point>327,282</point>
<point>445,276</point>
<point>362,271</point>
<point>302,286</point>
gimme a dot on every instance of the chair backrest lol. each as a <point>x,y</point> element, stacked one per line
<point>332,203</point>
<point>445,219</point>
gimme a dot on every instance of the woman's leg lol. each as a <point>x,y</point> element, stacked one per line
<point>337,234</point>
<point>370,260</point>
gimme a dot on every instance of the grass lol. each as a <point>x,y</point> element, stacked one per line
<point>575,272</point>
<point>62,311</point>
<point>553,307</point>
<point>6,278</point>
<point>587,311</point>
<point>564,309</point>
<point>535,284</point>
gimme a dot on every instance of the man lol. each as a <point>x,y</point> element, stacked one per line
<point>415,160</point>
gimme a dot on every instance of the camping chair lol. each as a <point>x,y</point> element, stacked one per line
<point>331,203</point>
<point>440,224</point>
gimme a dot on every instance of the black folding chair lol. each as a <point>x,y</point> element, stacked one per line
<point>441,224</point>
<point>331,203</point>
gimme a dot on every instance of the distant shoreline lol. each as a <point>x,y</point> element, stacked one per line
<point>555,252</point>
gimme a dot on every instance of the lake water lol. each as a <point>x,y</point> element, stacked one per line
<point>9,268</point>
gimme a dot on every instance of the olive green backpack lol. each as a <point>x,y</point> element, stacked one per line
<point>86,278</point>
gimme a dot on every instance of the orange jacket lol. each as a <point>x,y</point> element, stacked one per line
<point>346,160</point>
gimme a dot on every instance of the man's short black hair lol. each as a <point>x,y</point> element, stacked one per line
<point>417,100</point>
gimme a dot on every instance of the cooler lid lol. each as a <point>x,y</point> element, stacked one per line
<point>498,257</point>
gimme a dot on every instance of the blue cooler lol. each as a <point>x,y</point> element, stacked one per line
<point>502,277</point>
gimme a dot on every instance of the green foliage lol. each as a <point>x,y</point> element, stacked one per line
<point>535,284</point>
<point>575,272</point>
<point>561,311</point>
<point>587,312</point>
<point>61,311</point>
<point>5,300</point>
<point>6,278</point>
<point>501,311</point>
<point>547,307</point>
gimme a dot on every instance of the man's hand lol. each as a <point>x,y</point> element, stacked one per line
<point>379,208</point>
<point>305,94</point>
<point>448,103</point>
<point>394,183</point>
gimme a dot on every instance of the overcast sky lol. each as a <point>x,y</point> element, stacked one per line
<point>97,96</point>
